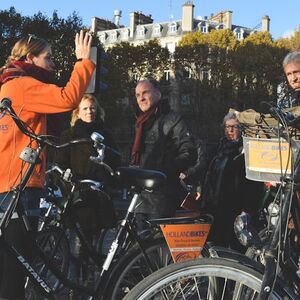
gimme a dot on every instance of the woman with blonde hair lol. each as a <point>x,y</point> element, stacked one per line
<point>27,79</point>
<point>100,113</point>
<point>94,211</point>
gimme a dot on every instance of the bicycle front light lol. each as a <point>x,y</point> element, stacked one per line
<point>241,229</point>
<point>273,210</point>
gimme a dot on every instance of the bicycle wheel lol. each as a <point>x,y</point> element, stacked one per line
<point>132,267</point>
<point>207,278</point>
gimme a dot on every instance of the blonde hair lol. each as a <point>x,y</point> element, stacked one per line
<point>100,114</point>
<point>30,44</point>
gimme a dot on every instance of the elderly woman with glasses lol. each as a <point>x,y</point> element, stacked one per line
<point>226,190</point>
<point>27,79</point>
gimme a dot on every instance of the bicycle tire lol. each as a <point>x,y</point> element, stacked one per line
<point>207,278</point>
<point>132,267</point>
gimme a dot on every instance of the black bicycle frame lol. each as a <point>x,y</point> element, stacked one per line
<point>273,250</point>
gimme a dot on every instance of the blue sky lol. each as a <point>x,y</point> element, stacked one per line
<point>284,16</point>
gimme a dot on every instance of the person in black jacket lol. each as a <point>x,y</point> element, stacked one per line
<point>162,142</point>
<point>226,191</point>
<point>93,210</point>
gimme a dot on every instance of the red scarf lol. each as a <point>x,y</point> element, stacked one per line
<point>141,120</point>
<point>21,68</point>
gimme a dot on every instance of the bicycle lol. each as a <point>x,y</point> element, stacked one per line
<point>130,264</point>
<point>54,234</point>
<point>274,274</point>
<point>136,179</point>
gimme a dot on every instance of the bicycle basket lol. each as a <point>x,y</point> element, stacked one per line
<point>267,158</point>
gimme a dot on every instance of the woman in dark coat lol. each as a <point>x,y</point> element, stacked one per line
<point>227,192</point>
<point>94,211</point>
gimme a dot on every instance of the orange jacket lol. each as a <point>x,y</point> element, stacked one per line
<point>32,100</point>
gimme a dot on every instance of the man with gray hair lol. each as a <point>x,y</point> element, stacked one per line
<point>291,67</point>
<point>162,142</point>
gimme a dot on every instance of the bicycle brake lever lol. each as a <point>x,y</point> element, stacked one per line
<point>100,162</point>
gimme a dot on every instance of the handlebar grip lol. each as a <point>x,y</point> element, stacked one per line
<point>5,104</point>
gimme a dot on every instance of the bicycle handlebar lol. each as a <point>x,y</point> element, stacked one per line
<point>67,176</point>
<point>99,160</point>
<point>288,117</point>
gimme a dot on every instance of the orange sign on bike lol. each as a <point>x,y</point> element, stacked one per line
<point>185,241</point>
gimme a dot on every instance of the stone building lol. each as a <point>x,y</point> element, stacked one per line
<point>142,28</point>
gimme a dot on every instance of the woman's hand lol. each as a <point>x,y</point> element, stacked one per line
<point>182,176</point>
<point>83,43</point>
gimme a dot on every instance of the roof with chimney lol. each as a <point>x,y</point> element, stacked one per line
<point>142,27</point>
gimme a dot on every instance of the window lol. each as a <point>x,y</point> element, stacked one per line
<point>239,33</point>
<point>113,36</point>
<point>172,28</point>
<point>220,26</point>
<point>187,72</point>
<point>124,34</point>
<point>204,75</point>
<point>203,27</point>
<point>156,31</point>
<point>134,77</point>
<point>167,74</point>
<point>140,31</point>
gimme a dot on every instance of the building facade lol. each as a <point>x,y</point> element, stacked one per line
<point>142,28</point>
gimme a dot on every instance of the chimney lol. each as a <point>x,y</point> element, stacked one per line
<point>94,25</point>
<point>117,16</point>
<point>138,18</point>
<point>187,16</point>
<point>265,23</point>
<point>132,23</point>
<point>227,19</point>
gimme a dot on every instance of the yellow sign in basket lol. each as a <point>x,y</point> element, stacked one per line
<point>267,159</point>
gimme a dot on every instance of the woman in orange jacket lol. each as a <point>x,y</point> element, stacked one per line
<point>27,80</point>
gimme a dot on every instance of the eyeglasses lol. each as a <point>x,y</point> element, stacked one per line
<point>231,127</point>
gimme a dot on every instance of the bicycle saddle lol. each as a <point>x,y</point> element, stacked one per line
<point>144,179</point>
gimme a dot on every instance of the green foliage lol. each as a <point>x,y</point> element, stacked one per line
<point>227,73</point>
<point>10,31</point>
<point>223,39</point>
<point>292,43</point>
<point>193,39</point>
